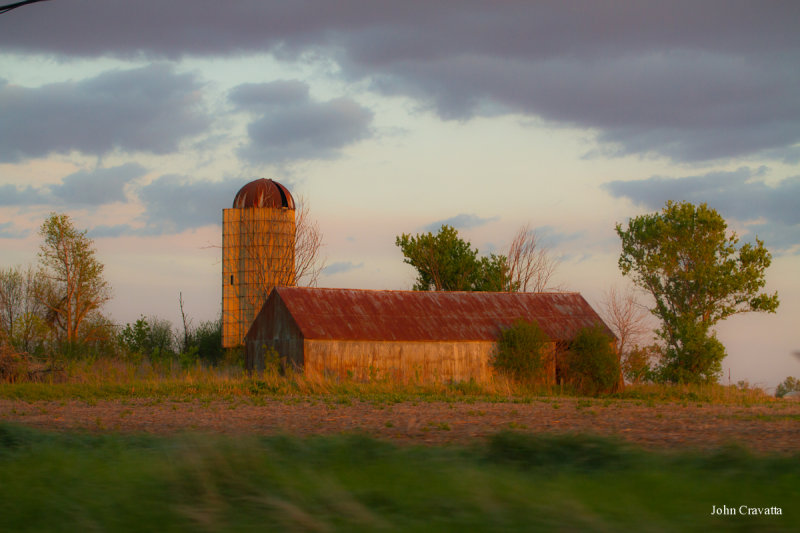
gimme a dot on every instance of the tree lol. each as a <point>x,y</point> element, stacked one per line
<point>446,262</point>
<point>151,337</point>
<point>628,319</point>
<point>22,315</point>
<point>530,265</point>
<point>308,242</point>
<point>790,384</point>
<point>697,276</point>
<point>77,286</point>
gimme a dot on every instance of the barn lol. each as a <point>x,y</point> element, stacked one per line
<point>404,335</point>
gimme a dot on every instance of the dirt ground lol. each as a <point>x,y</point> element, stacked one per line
<point>763,428</point>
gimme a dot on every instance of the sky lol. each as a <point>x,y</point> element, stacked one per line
<point>141,120</point>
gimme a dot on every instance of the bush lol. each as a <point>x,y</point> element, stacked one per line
<point>520,351</point>
<point>151,337</point>
<point>206,340</point>
<point>790,384</point>
<point>638,364</point>
<point>592,364</point>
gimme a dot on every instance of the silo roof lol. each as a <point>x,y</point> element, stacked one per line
<point>263,193</point>
<point>352,314</point>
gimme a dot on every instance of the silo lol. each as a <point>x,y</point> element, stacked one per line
<point>258,237</point>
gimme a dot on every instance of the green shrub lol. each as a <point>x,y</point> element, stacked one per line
<point>520,351</point>
<point>207,337</point>
<point>591,363</point>
<point>790,384</point>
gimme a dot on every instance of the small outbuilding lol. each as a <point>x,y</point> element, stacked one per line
<point>405,335</point>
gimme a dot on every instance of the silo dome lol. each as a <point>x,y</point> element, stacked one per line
<point>263,193</point>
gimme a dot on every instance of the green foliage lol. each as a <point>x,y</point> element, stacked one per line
<point>154,338</point>
<point>515,482</point>
<point>134,336</point>
<point>206,339</point>
<point>592,364</point>
<point>76,287</point>
<point>23,317</point>
<point>637,363</point>
<point>520,351</point>
<point>685,259</point>
<point>151,337</point>
<point>790,384</point>
<point>445,262</point>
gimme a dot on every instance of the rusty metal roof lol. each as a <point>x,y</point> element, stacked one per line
<point>263,193</point>
<point>351,314</point>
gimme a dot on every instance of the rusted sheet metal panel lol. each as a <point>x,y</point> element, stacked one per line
<point>399,361</point>
<point>349,314</point>
<point>263,193</point>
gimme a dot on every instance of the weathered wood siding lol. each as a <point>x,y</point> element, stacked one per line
<point>275,328</point>
<point>404,361</point>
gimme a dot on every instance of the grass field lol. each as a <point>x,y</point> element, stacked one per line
<point>513,482</point>
<point>115,379</point>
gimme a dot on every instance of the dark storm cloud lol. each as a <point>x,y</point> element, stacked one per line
<point>97,187</point>
<point>291,126</point>
<point>741,194</point>
<point>150,109</point>
<point>460,221</point>
<point>685,79</point>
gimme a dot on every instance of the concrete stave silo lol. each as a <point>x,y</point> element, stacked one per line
<point>258,240</point>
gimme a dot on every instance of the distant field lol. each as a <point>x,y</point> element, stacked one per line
<point>116,398</point>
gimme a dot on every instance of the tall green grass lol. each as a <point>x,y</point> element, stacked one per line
<point>515,482</point>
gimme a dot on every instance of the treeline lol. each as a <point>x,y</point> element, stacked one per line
<point>52,311</point>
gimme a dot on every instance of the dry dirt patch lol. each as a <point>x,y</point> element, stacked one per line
<point>765,428</point>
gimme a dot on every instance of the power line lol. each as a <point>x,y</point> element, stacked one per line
<point>9,7</point>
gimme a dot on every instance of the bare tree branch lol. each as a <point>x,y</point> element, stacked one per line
<point>8,7</point>
<point>308,260</point>
<point>630,320</point>
<point>530,263</point>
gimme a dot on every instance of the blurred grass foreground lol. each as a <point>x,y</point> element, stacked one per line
<point>512,482</point>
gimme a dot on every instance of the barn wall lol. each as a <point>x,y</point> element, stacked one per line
<point>402,361</point>
<point>273,327</point>
<point>406,361</point>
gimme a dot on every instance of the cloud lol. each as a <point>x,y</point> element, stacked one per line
<point>9,231</point>
<point>117,230</point>
<point>13,195</point>
<point>461,221</point>
<point>80,189</point>
<point>769,210</point>
<point>692,81</point>
<point>267,96</point>
<point>151,109</point>
<point>291,126</point>
<point>177,203</point>
<point>341,267</point>
<point>97,187</point>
